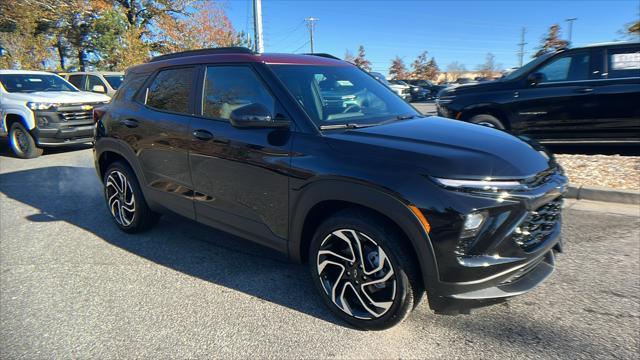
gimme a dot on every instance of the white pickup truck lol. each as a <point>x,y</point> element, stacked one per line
<point>40,109</point>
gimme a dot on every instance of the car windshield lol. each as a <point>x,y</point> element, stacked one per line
<point>114,80</point>
<point>27,83</point>
<point>337,95</point>
<point>526,68</point>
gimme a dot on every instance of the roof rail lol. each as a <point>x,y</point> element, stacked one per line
<point>210,51</point>
<point>324,55</point>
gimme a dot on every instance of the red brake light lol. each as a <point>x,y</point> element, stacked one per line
<point>97,113</point>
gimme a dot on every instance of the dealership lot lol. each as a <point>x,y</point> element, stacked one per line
<point>73,285</point>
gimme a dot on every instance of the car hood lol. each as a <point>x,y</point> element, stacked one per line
<point>63,97</point>
<point>445,148</point>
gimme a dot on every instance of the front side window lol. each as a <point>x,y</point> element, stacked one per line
<point>171,90</point>
<point>227,88</point>
<point>28,83</point>
<point>94,81</point>
<point>567,68</point>
<point>77,81</point>
<point>341,95</point>
<point>623,63</point>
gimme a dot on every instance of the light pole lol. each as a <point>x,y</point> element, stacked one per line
<point>570,21</point>
<point>311,24</point>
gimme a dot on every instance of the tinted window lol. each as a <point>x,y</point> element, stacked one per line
<point>27,83</point>
<point>170,90</point>
<point>227,88</point>
<point>130,86</point>
<point>94,81</point>
<point>566,68</point>
<point>623,63</point>
<point>77,81</point>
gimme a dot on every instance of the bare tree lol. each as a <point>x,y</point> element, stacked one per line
<point>348,56</point>
<point>551,42</point>
<point>398,70</point>
<point>490,67</point>
<point>455,70</point>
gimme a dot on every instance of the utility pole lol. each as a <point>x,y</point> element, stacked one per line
<point>570,21</point>
<point>311,24</point>
<point>522,44</point>
<point>257,25</point>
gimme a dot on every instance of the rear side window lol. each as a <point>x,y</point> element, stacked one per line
<point>171,90</point>
<point>227,88</point>
<point>77,81</point>
<point>130,86</point>
<point>572,67</point>
<point>623,63</point>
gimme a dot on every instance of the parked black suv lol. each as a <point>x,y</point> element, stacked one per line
<point>382,202</point>
<point>587,94</point>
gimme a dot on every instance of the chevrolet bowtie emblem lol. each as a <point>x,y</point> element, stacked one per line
<point>87,107</point>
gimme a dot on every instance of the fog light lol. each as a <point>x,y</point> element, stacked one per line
<point>43,121</point>
<point>473,223</point>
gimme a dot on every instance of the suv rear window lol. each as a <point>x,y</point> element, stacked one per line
<point>171,90</point>
<point>623,63</point>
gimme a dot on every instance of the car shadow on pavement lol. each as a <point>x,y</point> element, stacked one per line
<point>74,195</point>
<point>5,149</point>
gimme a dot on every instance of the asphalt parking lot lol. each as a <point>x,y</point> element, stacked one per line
<point>73,286</point>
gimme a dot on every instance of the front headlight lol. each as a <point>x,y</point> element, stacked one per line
<point>41,106</point>
<point>488,185</point>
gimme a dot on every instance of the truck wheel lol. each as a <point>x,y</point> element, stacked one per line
<point>22,143</point>
<point>363,271</point>
<point>488,121</point>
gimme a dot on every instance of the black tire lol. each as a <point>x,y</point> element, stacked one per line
<point>141,218</point>
<point>22,143</point>
<point>406,279</point>
<point>488,121</point>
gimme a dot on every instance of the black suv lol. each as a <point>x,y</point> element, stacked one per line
<point>382,202</point>
<point>587,94</point>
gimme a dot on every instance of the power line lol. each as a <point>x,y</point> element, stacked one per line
<point>522,44</point>
<point>301,46</point>
<point>311,22</point>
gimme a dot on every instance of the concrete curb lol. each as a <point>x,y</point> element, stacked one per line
<point>603,194</point>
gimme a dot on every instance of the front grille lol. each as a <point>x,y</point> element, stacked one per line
<point>538,225</point>
<point>539,179</point>
<point>76,115</point>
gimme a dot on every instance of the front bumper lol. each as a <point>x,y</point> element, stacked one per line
<point>66,125</point>
<point>500,262</point>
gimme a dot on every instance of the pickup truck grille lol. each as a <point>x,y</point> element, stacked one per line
<point>75,115</point>
<point>538,225</point>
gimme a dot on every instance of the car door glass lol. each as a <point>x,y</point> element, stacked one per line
<point>624,63</point>
<point>227,88</point>
<point>171,89</point>
<point>567,68</point>
<point>77,81</point>
<point>93,81</point>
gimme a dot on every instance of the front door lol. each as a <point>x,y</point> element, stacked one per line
<point>240,176</point>
<point>562,105</point>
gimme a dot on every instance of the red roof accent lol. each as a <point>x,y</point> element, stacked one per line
<point>268,58</point>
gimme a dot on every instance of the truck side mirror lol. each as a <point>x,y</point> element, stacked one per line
<point>535,78</point>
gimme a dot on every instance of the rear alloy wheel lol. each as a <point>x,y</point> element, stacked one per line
<point>359,275</point>
<point>22,143</point>
<point>488,121</point>
<point>125,200</point>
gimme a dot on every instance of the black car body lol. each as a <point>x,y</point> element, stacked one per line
<point>475,212</point>
<point>427,85</point>
<point>586,94</point>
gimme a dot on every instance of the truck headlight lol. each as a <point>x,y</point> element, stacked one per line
<point>41,106</point>
<point>488,185</point>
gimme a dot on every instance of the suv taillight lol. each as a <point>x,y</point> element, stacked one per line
<point>97,113</point>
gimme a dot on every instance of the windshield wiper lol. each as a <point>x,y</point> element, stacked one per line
<point>344,126</point>
<point>407,117</point>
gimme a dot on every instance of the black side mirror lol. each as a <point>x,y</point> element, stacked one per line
<point>535,78</point>
<point>255,116</point>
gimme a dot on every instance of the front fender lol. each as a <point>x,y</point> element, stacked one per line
<point>369,197</point>
<point>27,117</point>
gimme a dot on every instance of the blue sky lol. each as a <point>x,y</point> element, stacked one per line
<point>452,30</point>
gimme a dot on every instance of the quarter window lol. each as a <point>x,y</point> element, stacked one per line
<point>567,68</point>
<point>227,88</point>
<point>624,63</point>
<point>77,81</point>
<point>171,90</point>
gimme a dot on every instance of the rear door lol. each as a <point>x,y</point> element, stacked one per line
<point>240,176</point>
<point>563,104</point>
<point>156,128</point>
<point>618,93</point>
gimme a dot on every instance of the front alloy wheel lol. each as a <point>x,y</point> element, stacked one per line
<point>364,269</point>
<point>356,274</point>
